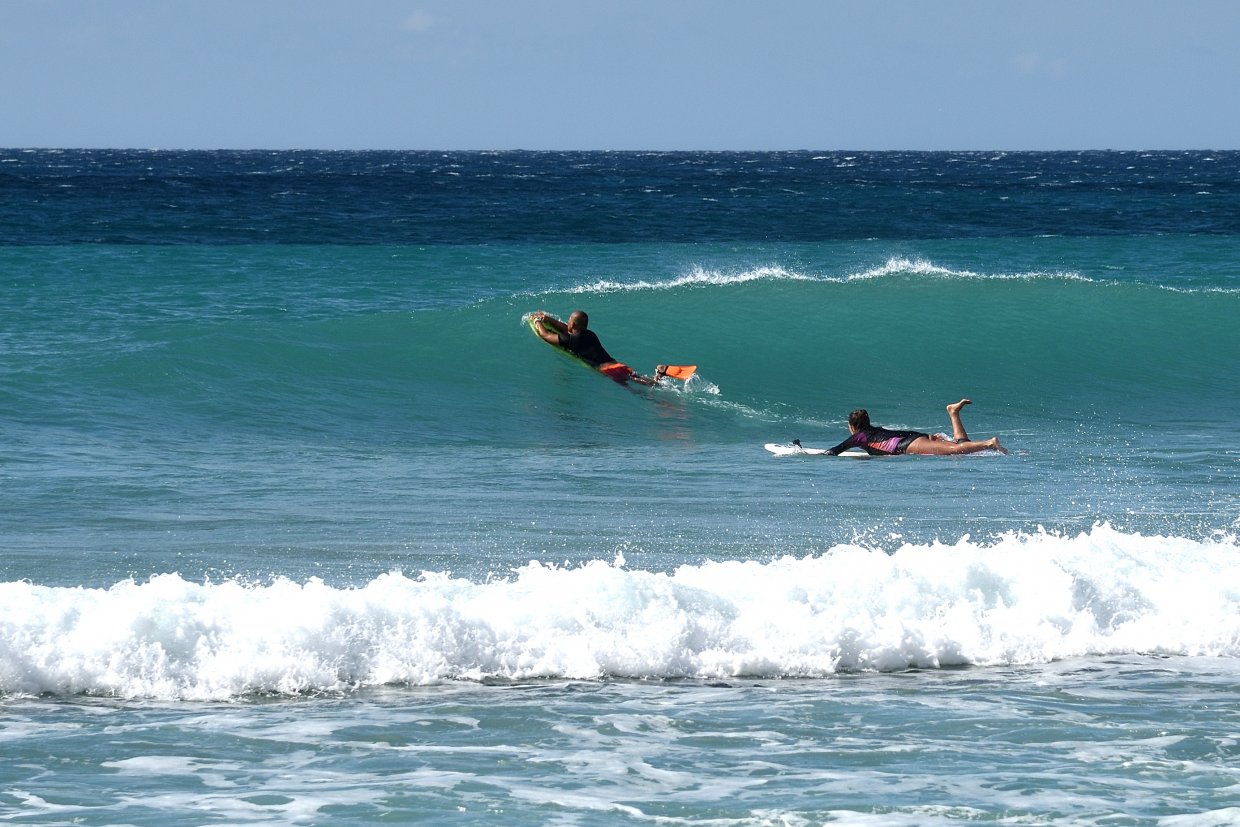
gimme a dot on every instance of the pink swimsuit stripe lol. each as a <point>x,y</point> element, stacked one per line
<point>888,445</point>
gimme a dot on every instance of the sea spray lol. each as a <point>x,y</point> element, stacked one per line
<point>1023,599</point>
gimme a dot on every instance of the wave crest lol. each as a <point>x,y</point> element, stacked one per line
<point>698,276</point>
<point>896,267</point>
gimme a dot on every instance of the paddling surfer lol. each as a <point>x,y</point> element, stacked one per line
<point>577,338</point>
<point>884,442</point>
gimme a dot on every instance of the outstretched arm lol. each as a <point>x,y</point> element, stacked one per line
<point>852,442</point>
<point>549,328</point>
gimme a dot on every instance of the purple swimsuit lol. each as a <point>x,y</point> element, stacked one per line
<point>878,441</point>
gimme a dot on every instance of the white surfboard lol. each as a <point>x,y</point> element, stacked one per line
<point>792,449</point>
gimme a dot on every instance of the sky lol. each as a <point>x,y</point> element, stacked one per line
<point>621,74</point>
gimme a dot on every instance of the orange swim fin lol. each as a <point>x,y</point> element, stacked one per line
<point>681,371</point>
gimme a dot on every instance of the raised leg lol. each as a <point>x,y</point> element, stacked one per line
<point>953,412</point>
<point>961,444</point>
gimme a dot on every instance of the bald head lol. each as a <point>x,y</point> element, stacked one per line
<point>578,321</point>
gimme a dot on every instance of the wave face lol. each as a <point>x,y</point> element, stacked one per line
<point>1024,599</point>
<point>773,344</point>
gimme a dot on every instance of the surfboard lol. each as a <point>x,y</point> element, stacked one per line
<point>618,371</point>
<point>790,449</point>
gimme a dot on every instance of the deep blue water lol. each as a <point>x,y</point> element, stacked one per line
<point>397,198</point>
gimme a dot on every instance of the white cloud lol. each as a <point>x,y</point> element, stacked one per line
<point>1032,63</point>
<point>1026,64</point>
<point>419,21</point>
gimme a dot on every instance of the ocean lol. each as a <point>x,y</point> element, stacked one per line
<point>301,525</point>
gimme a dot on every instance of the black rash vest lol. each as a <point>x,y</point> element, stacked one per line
<point>585,345</point>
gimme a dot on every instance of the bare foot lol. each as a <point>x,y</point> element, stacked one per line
<point>993,444</point>
<point>955,407</point>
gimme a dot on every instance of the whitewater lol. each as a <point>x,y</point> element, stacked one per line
<point>1022,600</point>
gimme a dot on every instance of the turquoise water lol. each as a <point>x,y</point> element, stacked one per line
<point>302,525</point>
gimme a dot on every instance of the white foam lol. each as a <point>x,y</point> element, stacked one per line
<point>1020,599</point>
<point>901,266</point>
<point>699,276</point>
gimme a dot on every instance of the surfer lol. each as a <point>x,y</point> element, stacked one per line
<point>577,338</point>
<point>883,442</point>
